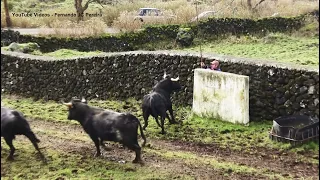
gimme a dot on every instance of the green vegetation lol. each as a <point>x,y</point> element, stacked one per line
<point>277,47</point>
<point>69,150</point>
<point>70,165</point>
<point>192,129</point>
<point>226,166</point>
<point>63,53</point>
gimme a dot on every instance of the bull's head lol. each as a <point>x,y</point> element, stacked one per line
<point>168,76</point>
<point>76,108</point>
<point>168,84</point>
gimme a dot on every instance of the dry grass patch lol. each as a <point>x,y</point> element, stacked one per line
<point>184,11</point>
<point>91,27</point>
<point>127,23</point>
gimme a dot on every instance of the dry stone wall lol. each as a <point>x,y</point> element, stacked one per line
<point>275,89</point>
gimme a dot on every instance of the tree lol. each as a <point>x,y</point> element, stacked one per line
<point>253,9</point>
<point>6,9</point>
<point>80,10</point>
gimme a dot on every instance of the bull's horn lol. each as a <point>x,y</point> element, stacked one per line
<point>68,104</point>
<point>164,75</point>
<point>83,100</point>
<point>176,79</point>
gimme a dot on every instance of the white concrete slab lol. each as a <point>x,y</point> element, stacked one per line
<point>221,95</point>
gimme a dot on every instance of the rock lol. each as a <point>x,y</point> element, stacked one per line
<point>316,102</point>
<point>24,48</point>
<point>287,103</point>
<point>311,90</point>
<point>303,89</point>
<point>309,82</point>
<point>287,94</point>
<point>296,106</point>
<point>14,47</point>
<point>280,100</point>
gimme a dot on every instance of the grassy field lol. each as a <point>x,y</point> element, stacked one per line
<point>277,47</point>
<point>195,148</point>
<point>300,50</point>
<point>193,128</point>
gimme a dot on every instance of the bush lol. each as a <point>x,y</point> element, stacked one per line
<point>185,37</point>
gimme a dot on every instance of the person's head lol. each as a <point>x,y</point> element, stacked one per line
<point>214,65</point>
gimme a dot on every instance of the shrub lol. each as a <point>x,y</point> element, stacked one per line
<point>185,37</point>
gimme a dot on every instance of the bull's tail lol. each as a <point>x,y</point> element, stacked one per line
<point>150,105</point>
<point>153,110</point>
<point>32,137</point>
<point>27,130</point>
<point>34,140</point>
<point>141,132</point>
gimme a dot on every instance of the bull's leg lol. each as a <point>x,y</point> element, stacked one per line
<point>145,117</point>
<point>167,116</point>
<point>95,139</point>
<point>30,135</point>
<point>8,140</point>
<point>162,125</point>
<point>172,120</point>
<point>157,121</point>
<point>133,145</point>
<point>104,146</point>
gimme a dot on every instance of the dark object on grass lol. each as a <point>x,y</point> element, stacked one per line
<point>13,123</point>
<point>295,129</point>
<point>158,101</point>
<point>106,125</point>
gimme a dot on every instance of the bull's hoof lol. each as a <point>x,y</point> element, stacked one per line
<point>107,148</point>
<point>144,144</point>
<point>10,158</point>
<point>44,161</point>
<point>174,122</point>
<point>97,154</point>
<point>138,161</point>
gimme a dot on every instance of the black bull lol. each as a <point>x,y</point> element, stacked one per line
<point>106,125</point>
<point>158,101</point>
<point>13,123</point>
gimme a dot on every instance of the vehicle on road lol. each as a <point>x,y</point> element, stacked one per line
<point>152,14</point>
<point>203,16</point>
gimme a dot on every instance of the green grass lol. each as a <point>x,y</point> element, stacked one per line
<point>277,47</point>
<point>299,50</point>
<point>193,128</point>
<point>225,166</point>
<point>63,53</point>
<point>74,166</point>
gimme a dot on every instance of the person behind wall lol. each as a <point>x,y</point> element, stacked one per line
<point>214,65</point>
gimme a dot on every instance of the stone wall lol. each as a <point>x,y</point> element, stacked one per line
<point>275,89</point>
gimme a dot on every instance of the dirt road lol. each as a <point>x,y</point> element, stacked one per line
<point>177,157</point>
